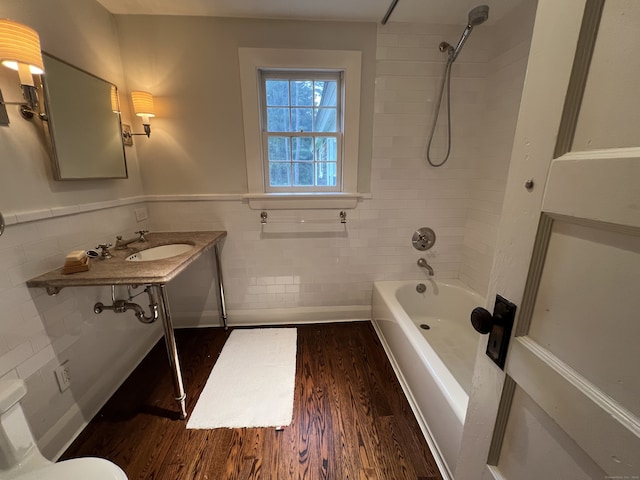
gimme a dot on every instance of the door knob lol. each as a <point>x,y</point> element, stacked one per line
<point>498,325</point>
<point>482,320</point>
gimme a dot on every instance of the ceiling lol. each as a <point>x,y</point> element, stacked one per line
<point>420,11</point>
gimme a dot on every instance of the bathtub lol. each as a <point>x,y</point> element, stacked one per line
<point>434,365</point>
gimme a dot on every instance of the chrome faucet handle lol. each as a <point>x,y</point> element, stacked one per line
<point>104,247</point>
<point>141,233</point>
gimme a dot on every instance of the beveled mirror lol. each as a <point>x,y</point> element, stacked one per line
<point>83,130</point>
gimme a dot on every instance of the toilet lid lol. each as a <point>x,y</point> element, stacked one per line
<point>78,468</point>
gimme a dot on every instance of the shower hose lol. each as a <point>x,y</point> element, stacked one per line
<point>446,82</point>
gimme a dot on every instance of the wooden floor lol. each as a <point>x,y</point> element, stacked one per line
<point>350,421</point>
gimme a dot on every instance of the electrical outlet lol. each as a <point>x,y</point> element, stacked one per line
<point>141,214</point>
<point>63,377</point>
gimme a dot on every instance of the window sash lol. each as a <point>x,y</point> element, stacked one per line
<point>313,75</point>
<point>315,162</point>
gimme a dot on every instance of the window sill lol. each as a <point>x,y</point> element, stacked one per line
<point>290,201</point>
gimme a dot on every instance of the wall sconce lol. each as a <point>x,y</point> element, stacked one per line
<point>20,50</point>
<point>143,107</point>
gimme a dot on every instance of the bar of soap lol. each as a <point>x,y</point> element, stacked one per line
<point>75,267</point>
<point>75,257</point>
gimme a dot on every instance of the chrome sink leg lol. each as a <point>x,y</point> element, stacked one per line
<point>172,351</point>
<point>223,307</point>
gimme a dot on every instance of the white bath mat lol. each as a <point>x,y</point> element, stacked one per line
<point>252,383</point>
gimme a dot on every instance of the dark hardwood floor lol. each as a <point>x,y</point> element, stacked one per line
<point>350,421</point>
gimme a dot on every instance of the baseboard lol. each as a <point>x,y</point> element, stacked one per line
<point>273,316</point>
<point>62,434</point>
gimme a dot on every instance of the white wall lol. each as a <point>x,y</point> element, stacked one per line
<point>191,66</point>
<point>83,34</point>
<point>302,270</point>
<point>47,219</point>
<point>507,55</point>
<point>299,268</point>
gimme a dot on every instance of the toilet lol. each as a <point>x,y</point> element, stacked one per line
<point>20,458</point>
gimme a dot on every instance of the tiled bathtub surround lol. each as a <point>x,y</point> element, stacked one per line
<point>507,62</point>
<point>315,265</point>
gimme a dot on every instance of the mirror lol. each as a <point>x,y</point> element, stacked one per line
<point>84,132</point>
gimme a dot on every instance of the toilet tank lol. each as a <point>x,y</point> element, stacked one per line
<point>16,440</point>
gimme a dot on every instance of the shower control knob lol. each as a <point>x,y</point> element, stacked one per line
<point>423,238</point>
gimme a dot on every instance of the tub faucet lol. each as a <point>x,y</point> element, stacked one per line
<point>423,264</point>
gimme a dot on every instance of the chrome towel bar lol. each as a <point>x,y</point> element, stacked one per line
<point>264,216</point>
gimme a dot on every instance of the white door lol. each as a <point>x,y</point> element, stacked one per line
<point>567,405</point>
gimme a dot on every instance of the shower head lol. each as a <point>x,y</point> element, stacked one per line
<point>478,15</point>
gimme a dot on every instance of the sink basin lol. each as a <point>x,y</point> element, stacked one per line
<point>160,252</point>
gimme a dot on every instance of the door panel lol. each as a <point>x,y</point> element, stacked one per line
<point>534,445</point>
<point>609,434</point>
<point>586,310</point>
<point>609,117</point>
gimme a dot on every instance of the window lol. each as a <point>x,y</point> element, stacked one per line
<point>301,113</point>
<point>301,131</point>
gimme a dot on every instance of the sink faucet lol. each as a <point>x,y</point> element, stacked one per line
<point>123,244</point>
<point>423,263</point>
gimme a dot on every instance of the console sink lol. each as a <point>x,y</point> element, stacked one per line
<point>160,252</point>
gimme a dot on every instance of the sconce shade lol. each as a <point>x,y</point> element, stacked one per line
<point>115,99</point>
<point>143,104</point>
<point>20,44</point>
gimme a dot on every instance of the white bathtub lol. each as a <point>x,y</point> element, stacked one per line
<point>434,366</point>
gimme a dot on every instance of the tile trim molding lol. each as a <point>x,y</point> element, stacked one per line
<point>25,216</point>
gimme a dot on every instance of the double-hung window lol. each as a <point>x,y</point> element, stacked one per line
<point>301,117</point>
<point>301,114</point>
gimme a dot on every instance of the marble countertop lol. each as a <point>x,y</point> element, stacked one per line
<point>117,271</point>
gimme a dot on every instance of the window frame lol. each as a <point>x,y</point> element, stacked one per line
<point>252,61</point>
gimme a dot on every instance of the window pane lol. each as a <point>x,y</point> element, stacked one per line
<point>277,92</point>
<point>302,148</point>
<point>325,120</point>
<point>326,174</point>
<point>279,174</point>
<point>303,174</point>
<point>302,93</point>
<point>279,148</point>
<point>325,93</point>
<point>277,119</point>
<point>326,149</point>
<point>302,119</point>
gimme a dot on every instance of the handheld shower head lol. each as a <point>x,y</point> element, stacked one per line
<point>477,16</point>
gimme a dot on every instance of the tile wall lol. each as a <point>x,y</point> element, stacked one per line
<point>40,332</point>
<point>506,67</point>
<point>325,266</point>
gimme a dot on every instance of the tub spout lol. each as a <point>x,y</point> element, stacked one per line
<point>423,264</point>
